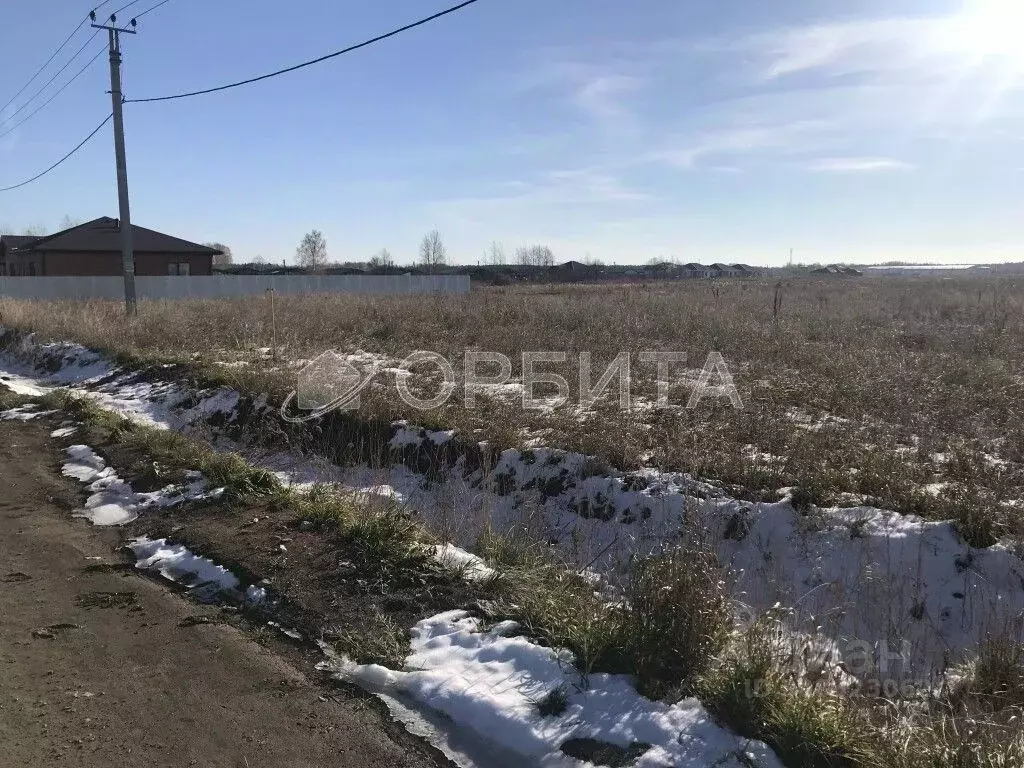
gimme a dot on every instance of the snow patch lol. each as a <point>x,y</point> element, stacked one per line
<point>493,684</point>
<point>24,413</point>
<point>112,501</point>
<point>203,577</point>
<point>867,575</point>
<point>406,436</point>
<point>22,385</point>
<point>472,567</point>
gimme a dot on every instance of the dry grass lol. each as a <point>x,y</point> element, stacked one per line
<point>903,392</point>
<point>670,628</point>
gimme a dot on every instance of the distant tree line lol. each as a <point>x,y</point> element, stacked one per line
<point>312,254</point>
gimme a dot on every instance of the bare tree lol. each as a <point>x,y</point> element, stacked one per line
<point>68,222</point>
<point>432,250</point>
<point>495,254</point>
<point>382,258</point>
<point>312,251</point>
<point>35,230</point>
<point>535,256</point>
<point>225,258</point>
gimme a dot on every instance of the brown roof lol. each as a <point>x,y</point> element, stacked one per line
<point>13,242</point>
<point>104,234</point>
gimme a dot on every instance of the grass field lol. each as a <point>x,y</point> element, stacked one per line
<point>900,393</point>
<point>905,393</point>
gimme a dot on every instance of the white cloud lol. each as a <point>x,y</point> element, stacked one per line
<point>576,188</point>
<point>600,88</point>
<point>928,46</point>
<point>603,97</point>
<point>585,185</point>
<point>842,48</point>
<point>858,165</point>
<point>737,139</point>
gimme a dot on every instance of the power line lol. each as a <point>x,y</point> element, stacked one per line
<point>351,48</point>
<point>50,81</point>
<point>58,92</point>
<point>69,154</point>
<point>52,57</point>
<point>125,7</point>
<point>153,8</point>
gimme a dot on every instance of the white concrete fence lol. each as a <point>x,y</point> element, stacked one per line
<point>227,286</point>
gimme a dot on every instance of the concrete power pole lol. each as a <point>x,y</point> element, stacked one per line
<point>125,215</point>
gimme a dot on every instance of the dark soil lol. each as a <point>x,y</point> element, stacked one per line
<point>101,666</point>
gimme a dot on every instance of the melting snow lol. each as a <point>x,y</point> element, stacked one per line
<point>471,566</point>
<point>863,573</point>
<point>493,684</point>
<point>112,500</point>
<point>24,413</point>
<point>415,436</point>
<point>200,574</point>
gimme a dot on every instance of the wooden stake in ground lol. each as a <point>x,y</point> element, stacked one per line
<point>273,325</point>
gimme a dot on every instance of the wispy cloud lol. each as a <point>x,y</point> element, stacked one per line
<point>929,46</point>
<point>858,165</point>
<point>600,88</point>
<point>603,97</point>
<point>841,48</point>
<point>583,188</point>
<point>737,139</point>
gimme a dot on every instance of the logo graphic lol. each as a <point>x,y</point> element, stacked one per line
<point>331,382</point>
<point>328,383</point>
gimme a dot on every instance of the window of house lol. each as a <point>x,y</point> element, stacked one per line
<point>31,269</point>
<point>178,268</point>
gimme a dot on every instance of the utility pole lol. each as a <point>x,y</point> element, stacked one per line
<point>125,216</point>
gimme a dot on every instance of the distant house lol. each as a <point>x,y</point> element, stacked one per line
<point>724,270</point>
<point>838,270</point>
<point>8,245</point>
<point>693,270</point>
<point>573,270</point>
<point>345,269</point>
<point>94,249</point>
<point>744,270</point>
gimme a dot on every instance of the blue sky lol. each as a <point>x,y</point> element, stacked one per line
<point>733,130</point>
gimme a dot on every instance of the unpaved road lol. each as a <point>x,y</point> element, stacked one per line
<point>97,669</point>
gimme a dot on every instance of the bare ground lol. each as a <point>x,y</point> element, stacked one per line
<point>100,666</point>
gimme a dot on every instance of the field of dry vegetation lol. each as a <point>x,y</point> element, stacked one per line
<point>904,393</point>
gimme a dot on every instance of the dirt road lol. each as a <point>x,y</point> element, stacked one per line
<point>100,666</point>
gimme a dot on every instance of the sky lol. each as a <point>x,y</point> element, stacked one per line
<point>859,131</point>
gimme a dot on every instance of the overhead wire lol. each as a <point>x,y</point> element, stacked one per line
<point>349,49</point>
<point>55,94</point>
<point>151,9</point>
<point>59,72</point>
<point>311,62</point>
<point>68,155</point>
<point>52,57</point>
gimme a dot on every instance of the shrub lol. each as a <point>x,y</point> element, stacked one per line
<point>994,680</point>
<point>755,690</point>
<point>677,618</point>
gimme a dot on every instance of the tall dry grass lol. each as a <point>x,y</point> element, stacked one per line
<point>904,392</point>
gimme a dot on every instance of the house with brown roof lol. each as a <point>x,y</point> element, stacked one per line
<point>94,249</point>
